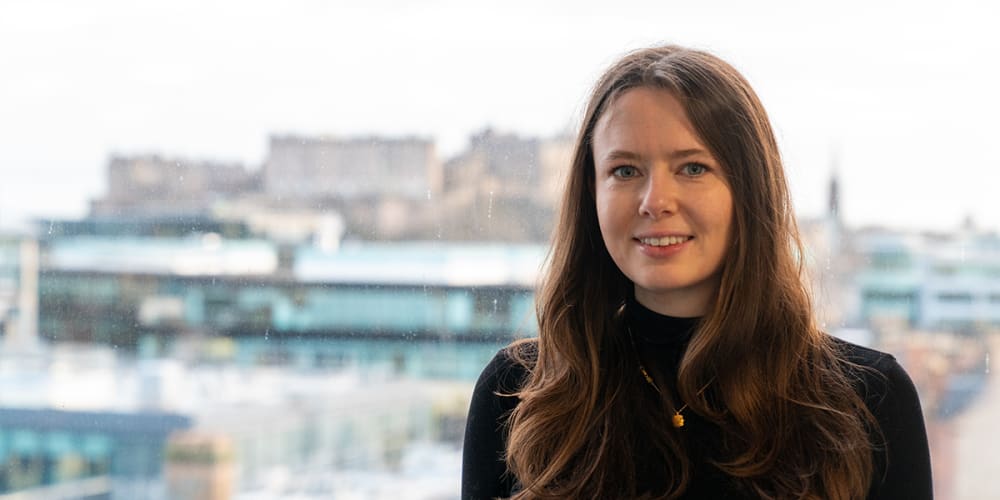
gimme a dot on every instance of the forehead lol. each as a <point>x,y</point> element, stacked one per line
<point>645,119</point>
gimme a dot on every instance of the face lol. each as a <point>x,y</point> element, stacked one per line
<point>663,203</point>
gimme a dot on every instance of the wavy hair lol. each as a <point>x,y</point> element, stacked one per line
<point>792,424</point>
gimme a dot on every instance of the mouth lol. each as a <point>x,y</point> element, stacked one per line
<point>665,241</point>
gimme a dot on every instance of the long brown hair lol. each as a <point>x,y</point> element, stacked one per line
<point>791,423</point>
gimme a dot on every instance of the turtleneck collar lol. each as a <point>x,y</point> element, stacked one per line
<point>651,327</point>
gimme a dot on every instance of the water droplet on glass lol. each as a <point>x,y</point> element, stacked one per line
<point>267,333</point>
<point>987,363</point>
<point>489,207</point>
<point>51,224</point>
<point>428,195</point>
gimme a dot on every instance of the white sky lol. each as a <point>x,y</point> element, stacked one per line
<point>907,92</point>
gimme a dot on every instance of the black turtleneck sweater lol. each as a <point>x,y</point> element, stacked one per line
<point>888,392</point>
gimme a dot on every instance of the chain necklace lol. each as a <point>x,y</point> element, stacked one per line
<point>678,419</point>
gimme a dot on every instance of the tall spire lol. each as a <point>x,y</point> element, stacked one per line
<point>833,206</point>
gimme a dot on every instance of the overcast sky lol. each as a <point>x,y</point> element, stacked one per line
<point>905,93</point>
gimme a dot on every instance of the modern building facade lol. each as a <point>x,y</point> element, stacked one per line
<point>930,281</point>
<point>119,291</point>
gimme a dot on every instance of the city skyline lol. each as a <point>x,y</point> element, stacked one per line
<point>902,104</point>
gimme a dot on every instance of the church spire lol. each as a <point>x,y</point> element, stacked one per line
<point>833,203</point>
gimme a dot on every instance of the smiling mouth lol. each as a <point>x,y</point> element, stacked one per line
<point>665,241</point>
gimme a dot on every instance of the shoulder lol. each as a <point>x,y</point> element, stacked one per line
<point>495,393</point>
<point>484,470</point>
<point>902,452</point>
<point>507,371</point>
<point>860,355</point>
<point>878,376</point>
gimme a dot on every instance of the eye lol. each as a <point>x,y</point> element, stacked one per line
<point>625,172</point>
<point>694,169</point>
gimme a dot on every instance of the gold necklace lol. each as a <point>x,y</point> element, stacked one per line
<point>678,419</point>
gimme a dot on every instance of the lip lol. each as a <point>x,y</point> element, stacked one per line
<point>661,235</point>
<point>662,252</point>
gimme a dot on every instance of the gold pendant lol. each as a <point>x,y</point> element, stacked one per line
<point>678,420</point>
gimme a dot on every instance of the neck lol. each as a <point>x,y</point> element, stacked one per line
<point>652,328</point>
<point>684,307</point>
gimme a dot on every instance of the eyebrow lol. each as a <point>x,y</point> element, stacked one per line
<point>621,154</point>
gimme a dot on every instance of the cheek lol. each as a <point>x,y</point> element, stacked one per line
<point>727,227</point>
<point>720,219</point>
<point>724,212</point>
<point>604,224</point>
<point>611,205</point>
<point>604,213</point>
<point>610,226</point>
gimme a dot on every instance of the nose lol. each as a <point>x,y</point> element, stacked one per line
<point>659,197</point>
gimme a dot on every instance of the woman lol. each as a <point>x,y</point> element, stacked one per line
<point>677,354</point>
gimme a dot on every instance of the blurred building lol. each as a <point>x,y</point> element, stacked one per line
<point>349,169</point>
<point>152,185</point>
<point>67,415</point>
<point>19,270</point>
<point>831,263</point>
<point>146,293</point>
<point>511,165</point>
<point>10,277</point>
<point>380,185</point>
<point>879,278</point>
<point>87,423</point>
<point>503,187</point>
<point>151,226</point>
<point>930,281</point>
<point>199,466</point>
<point>308,373</point>
<point>152,196</point>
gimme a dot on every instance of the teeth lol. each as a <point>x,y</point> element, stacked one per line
<point>665,241</point>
